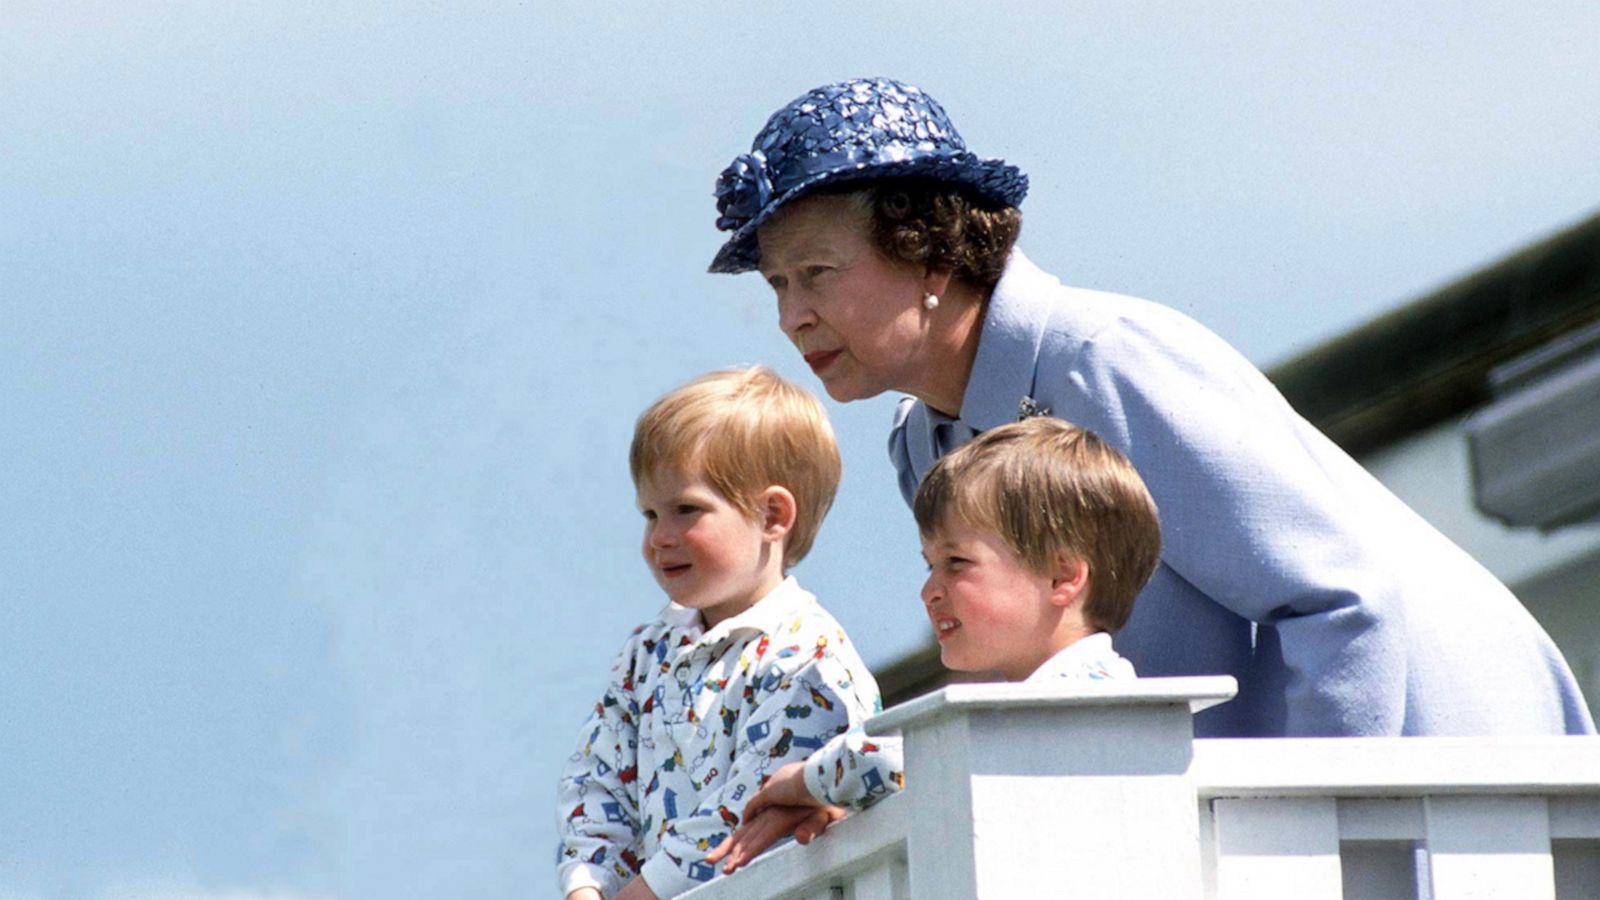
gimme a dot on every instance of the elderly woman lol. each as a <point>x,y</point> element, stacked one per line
<point>891,251</point>
<point>1284,564</point>
<point>1340,612</point>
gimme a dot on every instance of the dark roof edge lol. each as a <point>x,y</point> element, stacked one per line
<point>1429,360</point>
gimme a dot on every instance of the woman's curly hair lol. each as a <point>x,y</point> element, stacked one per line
<point>940,226</point>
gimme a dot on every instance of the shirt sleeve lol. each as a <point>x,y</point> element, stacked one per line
<point>597,799</point>
<point>802,701</point>
<point>1259,511</point>
<point>856,771</point>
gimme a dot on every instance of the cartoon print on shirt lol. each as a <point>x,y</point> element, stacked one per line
<point>742,702</point>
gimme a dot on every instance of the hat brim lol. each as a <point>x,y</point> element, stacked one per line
<point>992,178</point>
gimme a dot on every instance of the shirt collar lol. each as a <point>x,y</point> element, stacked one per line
<point>1008,348</point>
<point>1094,646</point>
<point>771,611</point>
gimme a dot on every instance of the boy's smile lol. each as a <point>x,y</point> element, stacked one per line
<point>989,610</point>
<point>703,551</point>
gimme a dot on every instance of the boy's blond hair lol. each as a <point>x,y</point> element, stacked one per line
<point>1045,486</point>
<point>743,431</point>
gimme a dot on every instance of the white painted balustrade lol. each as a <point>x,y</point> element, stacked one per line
<point>1439,818</point>
<point>1098,790</point>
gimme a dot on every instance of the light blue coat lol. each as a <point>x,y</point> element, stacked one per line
<point>1339,610</point>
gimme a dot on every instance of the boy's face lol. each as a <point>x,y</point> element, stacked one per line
<point>989,610</point>
<point>703,551</point>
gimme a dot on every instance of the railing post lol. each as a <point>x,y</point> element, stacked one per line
<point>1057,789</point>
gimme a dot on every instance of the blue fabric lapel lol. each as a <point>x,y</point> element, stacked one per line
<point>1008,351</point>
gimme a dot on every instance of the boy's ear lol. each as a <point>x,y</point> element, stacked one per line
<point>778,512</point>
<point>1069,583</point>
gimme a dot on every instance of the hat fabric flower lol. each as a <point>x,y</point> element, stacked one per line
<point>742,190</point>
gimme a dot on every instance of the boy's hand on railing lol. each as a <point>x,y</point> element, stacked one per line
<point>786,787</point>
<point>782,807</point>
<point>585,893</point>
<point>635,889</point>
<point>769,825</point>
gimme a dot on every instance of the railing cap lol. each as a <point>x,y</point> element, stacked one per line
<point>1197,692</point>
<point>1395,767</point>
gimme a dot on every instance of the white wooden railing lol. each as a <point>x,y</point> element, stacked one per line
<point>1099,791</point>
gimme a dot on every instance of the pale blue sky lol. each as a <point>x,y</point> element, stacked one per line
<point>323,327</point>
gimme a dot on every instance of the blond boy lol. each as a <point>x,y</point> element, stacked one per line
<point>743,671</point>
<point>1037,536</point>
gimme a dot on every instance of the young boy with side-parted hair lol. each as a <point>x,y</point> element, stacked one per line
<point>743,671</point>
<point>1038,536</point>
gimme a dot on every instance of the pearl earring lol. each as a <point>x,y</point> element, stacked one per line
<point>930,302</point>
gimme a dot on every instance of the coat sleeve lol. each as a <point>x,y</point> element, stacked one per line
<point>598,795</point>
<point>1259,511</point>
<point>856,771</point>
<point>801,702</point>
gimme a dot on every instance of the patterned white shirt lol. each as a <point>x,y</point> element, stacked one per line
<point>1090,657</point>
<point>690,726</point>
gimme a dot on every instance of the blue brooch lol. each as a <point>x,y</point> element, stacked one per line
<point>1028,408</point>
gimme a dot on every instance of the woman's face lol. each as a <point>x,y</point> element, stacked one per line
<point>855,315</point>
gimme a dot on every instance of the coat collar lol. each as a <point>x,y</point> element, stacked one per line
<point>1008,349</point>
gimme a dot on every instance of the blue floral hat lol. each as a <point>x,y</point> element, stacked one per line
<point>862,128</point>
